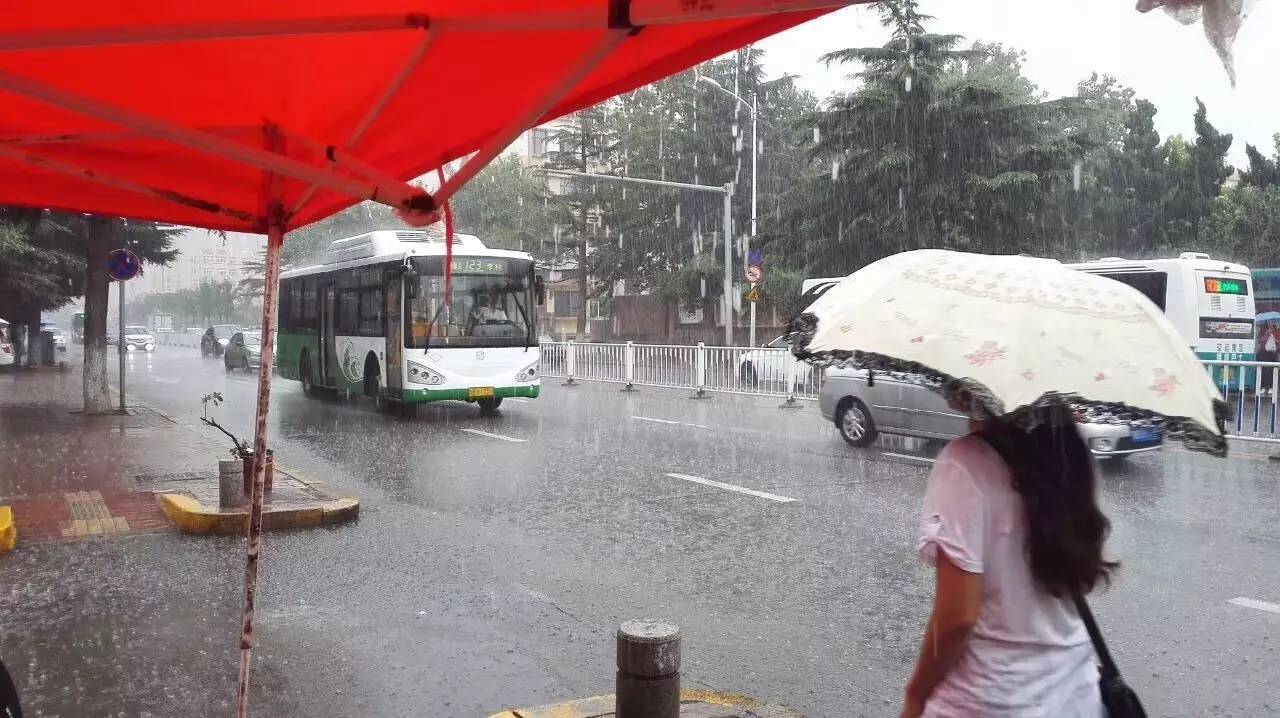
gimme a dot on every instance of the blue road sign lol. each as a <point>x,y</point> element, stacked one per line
<point>123,265</point>
<point>755,258</point>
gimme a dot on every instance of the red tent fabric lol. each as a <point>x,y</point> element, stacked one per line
<point>93,93</point>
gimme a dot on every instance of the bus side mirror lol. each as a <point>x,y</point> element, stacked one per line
<point>540,290</point>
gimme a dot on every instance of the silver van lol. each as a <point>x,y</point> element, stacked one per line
<point>863,407</point>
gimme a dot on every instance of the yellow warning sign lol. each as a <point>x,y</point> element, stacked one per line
<point>753,295</point>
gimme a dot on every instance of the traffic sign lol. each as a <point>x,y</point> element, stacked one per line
<point>755,258</point>
<point>753,296</point>
<point>123,265</point>
<point>754,273</point>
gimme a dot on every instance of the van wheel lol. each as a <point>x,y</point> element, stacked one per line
<point>854,423</point>
<point>489,406</point>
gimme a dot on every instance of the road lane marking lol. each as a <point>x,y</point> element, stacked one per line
<point>166,380</point>
<point>512,439</point>
<point>908,457</point>
<point>731,487</point>
<point>669,421</point>
<point>519,401</point>
<point>1260,605</point>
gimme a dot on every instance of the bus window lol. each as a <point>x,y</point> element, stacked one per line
<point>1153,285</point>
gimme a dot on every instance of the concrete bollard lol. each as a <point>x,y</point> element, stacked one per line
<point>231,484</point>
<point>648,669</point>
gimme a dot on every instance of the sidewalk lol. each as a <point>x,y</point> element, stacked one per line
<point>693,704</point>
<point>66,475</point>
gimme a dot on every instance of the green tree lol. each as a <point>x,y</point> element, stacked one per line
<point>1197,178</point>
<point>1263,171</point>
<point>509,206</point>
<point>97,236</point>
<point>1244,225</point>
<point>40,271</point>
<point>939,146</point>
<point>306,245</point>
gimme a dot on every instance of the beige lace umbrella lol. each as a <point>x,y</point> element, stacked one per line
<point>1020,333</point>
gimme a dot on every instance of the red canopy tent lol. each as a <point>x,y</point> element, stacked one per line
<point>266,115</point>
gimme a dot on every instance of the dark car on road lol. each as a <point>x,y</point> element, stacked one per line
<point>244,351</point>
<point>216,338</point>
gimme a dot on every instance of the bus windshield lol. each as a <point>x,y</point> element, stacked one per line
<point>492,304</point>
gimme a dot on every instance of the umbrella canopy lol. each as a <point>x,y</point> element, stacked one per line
<point>173,110</point>
<point>1267,317</point>
<point>1019,333</point>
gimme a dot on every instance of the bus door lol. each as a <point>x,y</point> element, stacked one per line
<point>394,332</point>
<point>328,352</point>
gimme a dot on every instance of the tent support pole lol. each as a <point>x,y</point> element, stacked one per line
<point>74,170</point>
<point>375,109</point>
<point>503,138</point>
<point>230,29</point>
<point>396,196</point>
<point>271,282</point>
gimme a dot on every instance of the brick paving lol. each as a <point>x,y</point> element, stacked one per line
<point>68,476</point>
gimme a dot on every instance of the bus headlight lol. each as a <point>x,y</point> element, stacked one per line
<point>529,373</point>
<point>421,375</point>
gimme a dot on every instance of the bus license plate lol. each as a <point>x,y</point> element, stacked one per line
<point>480,392</point>
<point>1145,436</point>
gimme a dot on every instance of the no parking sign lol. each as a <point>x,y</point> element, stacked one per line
<point>123,265</point>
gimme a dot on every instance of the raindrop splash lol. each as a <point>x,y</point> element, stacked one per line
<point>677,216</point>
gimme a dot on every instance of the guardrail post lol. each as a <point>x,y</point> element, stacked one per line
<point>629,366</point>
<point>700,372</point>
<point>790,402</point>
<point>570,360</point>
<point>648,683</point>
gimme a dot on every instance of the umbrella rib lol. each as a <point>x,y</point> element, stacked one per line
<point>58,138</point>
<point>230,29</point>
<point>74,170</point>
<point>396,195</point>
<point>371,115</point>
<point>503,138</point>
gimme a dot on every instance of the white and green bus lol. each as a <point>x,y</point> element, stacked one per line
<point>372,320</point>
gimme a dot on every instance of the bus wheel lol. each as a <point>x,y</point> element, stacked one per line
<point>488,406</point>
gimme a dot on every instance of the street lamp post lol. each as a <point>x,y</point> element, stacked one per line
<point>755,149</point>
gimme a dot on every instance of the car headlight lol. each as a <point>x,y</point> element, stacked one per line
<point>223,342</point>
<point>1101,444</point>
<point>529,373</point>
<point>422,375</point>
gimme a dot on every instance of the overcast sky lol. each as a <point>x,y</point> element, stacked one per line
<point>1166,62</point>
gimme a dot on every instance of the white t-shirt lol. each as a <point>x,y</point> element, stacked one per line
<point>1029,653</point>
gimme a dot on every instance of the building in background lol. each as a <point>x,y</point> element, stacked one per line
<point>204,256</point>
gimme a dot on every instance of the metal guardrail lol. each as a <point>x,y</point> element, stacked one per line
<point>764,371</point>
<point>1250,387</point>
<point>178,339</point>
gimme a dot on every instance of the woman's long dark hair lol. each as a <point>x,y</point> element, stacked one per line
<point>1053,472</point>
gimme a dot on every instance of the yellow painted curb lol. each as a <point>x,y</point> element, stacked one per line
<point>193,517</point>
<point>598,706</point>
<point>8,532</point>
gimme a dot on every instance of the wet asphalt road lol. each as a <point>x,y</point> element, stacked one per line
<point>488,570</point>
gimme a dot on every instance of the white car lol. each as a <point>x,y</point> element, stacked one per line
<point>769,365</point>
<point>138,338</point>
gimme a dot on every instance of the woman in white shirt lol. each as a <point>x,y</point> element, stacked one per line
<point>1010,546</point>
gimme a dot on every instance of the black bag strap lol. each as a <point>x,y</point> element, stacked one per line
<point>1109,669</point>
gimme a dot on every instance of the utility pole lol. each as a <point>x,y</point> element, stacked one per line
<point>755,150</point>
<point>585,137</point>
